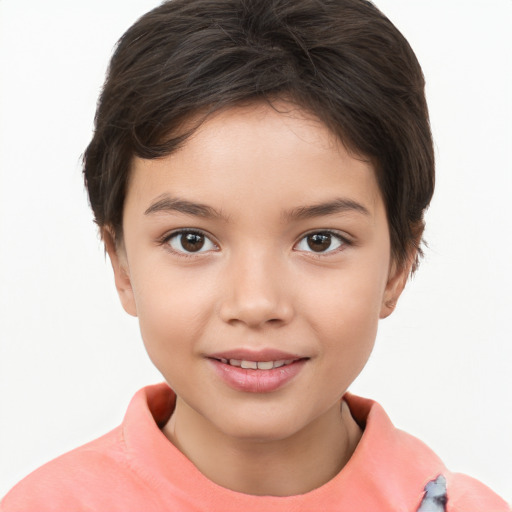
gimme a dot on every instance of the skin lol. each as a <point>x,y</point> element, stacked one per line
<point>257,284</point>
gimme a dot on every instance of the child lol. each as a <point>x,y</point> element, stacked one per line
<point>259,173</point>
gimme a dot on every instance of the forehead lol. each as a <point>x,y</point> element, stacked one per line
<point>240,157</point>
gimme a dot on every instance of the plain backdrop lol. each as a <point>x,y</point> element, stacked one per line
<point>70,358</point>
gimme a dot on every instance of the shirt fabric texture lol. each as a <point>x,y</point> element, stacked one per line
<point>134,468</point>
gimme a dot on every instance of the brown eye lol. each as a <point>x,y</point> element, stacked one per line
<point>190,242</point>
<point>320,242</point>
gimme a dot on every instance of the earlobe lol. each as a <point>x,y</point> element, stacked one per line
<point>396,283</point>
<point>122,279</point>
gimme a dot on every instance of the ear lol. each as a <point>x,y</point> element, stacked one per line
<point>398,275</point>
<point>117,255</point>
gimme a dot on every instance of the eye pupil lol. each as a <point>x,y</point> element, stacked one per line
<point>319,242</point>
<point>192,242</point>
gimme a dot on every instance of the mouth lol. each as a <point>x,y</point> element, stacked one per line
<point>257,365</point>
<point>257,372</point>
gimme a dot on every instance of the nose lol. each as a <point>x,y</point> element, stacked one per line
<point>257,293</point>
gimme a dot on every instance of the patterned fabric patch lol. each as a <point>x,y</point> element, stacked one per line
<point>434,499</point>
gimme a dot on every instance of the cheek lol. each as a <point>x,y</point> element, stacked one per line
<point>344,309</point>
<point>348,294</point>
<point>172,308</point>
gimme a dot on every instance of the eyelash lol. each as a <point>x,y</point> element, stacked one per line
<point>164,241</point>
<point>344,242</point>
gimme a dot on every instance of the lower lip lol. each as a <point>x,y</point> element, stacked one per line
<point>257,381</point>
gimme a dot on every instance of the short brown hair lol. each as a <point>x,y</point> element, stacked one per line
<point>341,60</point>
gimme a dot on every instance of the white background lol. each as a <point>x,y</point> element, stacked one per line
<point>70,358</point>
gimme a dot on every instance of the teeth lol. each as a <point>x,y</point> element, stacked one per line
<point>253,365</point>
<point>257,365</point>
<point>265,365</point>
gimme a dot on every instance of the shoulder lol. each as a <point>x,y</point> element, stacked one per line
<point>467,494</point>
<point>74,480</point>
<point>407,468</point>
<point>104,474</point>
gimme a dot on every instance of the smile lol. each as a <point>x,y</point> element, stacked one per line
<point>257,365</point>
<point>257,373</point>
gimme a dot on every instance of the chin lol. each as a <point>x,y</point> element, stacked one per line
<point>265,426</point>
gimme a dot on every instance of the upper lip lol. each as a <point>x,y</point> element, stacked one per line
<point>267,354</point>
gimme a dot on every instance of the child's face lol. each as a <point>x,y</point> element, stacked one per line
<point>262,239</point>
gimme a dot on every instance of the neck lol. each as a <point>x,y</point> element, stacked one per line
<point>285,467</point>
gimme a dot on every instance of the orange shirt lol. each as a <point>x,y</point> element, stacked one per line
<point>134,468</point>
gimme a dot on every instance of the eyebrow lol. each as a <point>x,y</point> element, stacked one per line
<point>167,204</point>
<point>339,205</point>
